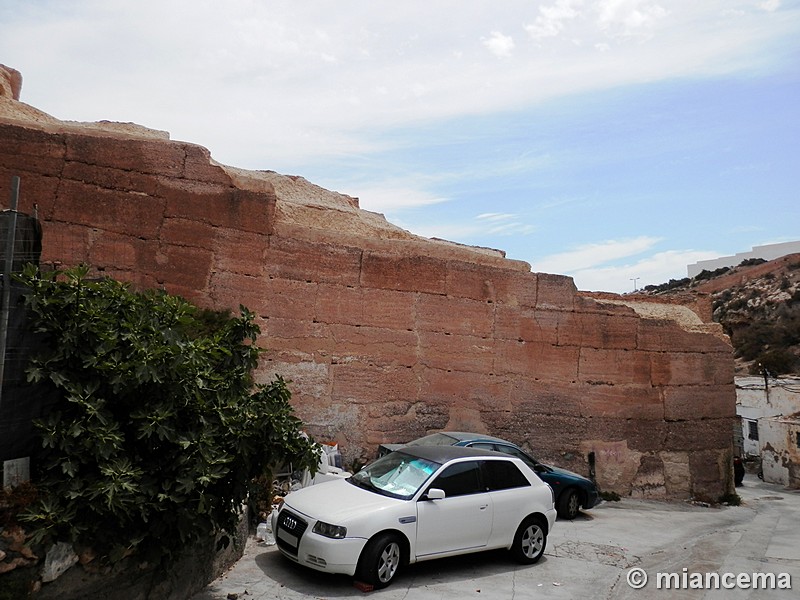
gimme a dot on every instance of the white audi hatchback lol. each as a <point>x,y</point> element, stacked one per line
<point>415,504</point>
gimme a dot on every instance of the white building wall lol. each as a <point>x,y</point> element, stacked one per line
<point>768,252</point>
<point>773,406</point>
<point>780,454</point>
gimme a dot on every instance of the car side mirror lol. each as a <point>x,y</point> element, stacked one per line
<point>435,494</point>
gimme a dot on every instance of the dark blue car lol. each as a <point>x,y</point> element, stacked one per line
<point>572,491</point>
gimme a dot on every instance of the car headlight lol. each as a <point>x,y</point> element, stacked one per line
<point>336,532</point>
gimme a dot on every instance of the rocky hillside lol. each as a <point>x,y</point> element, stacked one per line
<point>758,305</point>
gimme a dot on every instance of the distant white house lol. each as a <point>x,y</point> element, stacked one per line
<point>768,252</point>
<point>769,410</point>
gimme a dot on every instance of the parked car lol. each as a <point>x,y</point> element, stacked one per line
<point>416,504</point>
<point>572,491</point>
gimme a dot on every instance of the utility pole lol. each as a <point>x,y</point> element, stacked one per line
<point>634,280</point>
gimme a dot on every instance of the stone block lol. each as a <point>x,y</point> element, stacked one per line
<point>238,251</point>
<point>187,232</point>
<point>443,314</point>
<point>154,156</point>
<point>66,244</point>
<point>696,436</point>
<point>37,194</point>
<point>198,166</point>
<point>598,330</point>
<point>660,335</point>
<point>125,213</point>
<point>179,266</point>
<point>607,366</point>
<point>372,385</point>
<point>217,205</point>
<point>464,388</point>
<point>528,325</point>
<point>388,309</point>
<point>688,403</point>
<point>111,178</point>
<point>339,304</point>
<point>455,352</point>
<point>649,481</point>
<point>403,273</point>
<point>555,292</point>
<point>112,251</point>
<point>489,283</point>
<point>229,290</point>
<point>538,361</point>
<point>530,396</point>
<point>621,401</point>
<point>677,474</point>
<point>691,368</point>
<point>25,150</point>
<point>373,345</point>
<point>286,298</point>
<point>306,260</point>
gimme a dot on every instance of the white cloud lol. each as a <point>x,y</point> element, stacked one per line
<point>630,18</point>
<point>503,224</point>
<point>550,21</point>
<point>593,255</point>
<point>273,84</point>
<point>652,270</point>
<point>770,5</point>
<point>498,44</point>
<point>392,197</point>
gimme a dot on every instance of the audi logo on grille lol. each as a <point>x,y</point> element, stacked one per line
<point>289,523</point>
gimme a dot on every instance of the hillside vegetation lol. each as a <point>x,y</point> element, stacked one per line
<point>758,305</point>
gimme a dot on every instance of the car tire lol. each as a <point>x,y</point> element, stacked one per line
<point>569,504</point>
<point>530,541</point>
<point>380,560</point>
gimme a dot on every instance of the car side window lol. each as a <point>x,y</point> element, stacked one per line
<point>503,475</point>
<point>517,453</point>
<point>483,446</point>
<point>459,479</point>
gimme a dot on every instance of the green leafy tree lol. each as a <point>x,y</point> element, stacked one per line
<point>159,428</point>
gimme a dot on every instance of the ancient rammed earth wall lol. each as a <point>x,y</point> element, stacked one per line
<point>384,335</point>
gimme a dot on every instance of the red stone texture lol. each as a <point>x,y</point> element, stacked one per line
<point>387,339</point>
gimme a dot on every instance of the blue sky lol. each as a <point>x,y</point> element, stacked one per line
<point>615,141</point>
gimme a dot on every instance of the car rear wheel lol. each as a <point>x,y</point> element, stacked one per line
<point>529,541</point>
<point>569,504</point>
<point>380,560</point>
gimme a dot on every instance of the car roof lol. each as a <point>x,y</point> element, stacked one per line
<point>443,454</point>
<point>464,436</point>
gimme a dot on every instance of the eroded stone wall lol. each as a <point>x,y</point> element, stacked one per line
<point>384,335</point>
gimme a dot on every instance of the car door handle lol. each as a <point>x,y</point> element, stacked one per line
<point>484,507</point>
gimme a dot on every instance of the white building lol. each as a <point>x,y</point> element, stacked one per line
<point>769,409</point>
<point>768,252</point>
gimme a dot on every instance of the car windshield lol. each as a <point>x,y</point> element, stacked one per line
<point>397,475</point>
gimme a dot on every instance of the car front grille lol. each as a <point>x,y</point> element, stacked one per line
<point>290,530</point>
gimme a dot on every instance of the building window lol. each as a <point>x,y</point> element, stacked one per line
<point>752,430</point>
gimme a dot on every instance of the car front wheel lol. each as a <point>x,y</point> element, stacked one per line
<point>380,561</point>
<point>529,541</point>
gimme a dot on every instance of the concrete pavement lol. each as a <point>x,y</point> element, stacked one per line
<point>673,544</point>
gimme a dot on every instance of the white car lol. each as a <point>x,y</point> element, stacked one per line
<point>415,504</point>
